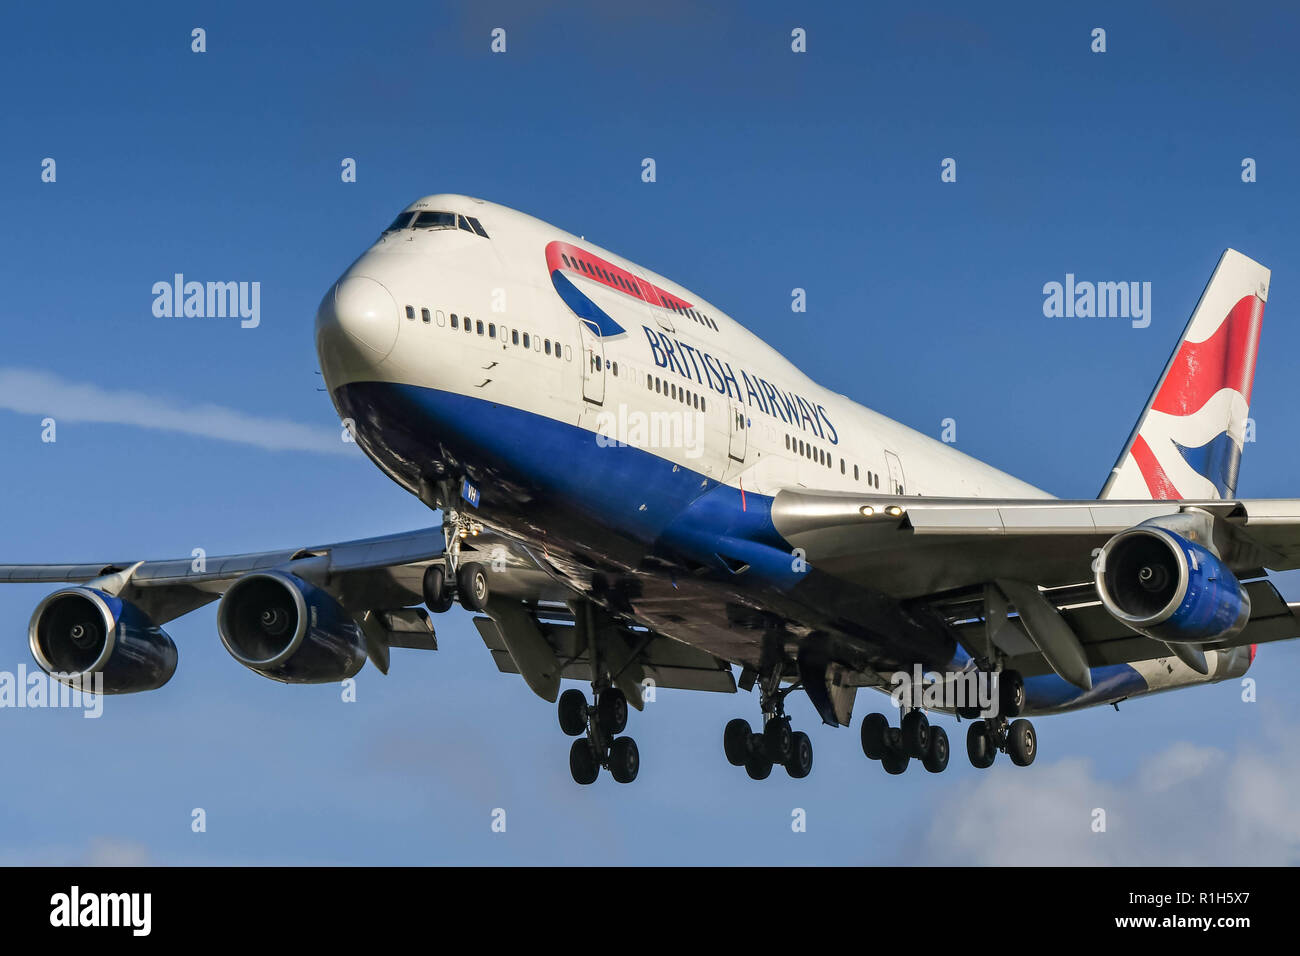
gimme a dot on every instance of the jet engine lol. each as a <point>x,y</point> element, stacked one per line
<point>82,631</point>
<point>1169,588</point>
<point>281,627</point>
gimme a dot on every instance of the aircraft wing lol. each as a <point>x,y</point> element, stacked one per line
<point>947,553</point>
<point>529,625</point>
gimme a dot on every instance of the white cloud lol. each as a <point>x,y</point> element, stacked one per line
<point>40,393</point>
<point>1186,805</point>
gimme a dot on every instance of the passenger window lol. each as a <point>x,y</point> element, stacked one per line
<point>453,321</point>
<point>440,318</point>
<point>841,466</point>
<point>410,311</point>
<point>492,330</point>
<point>478,326</point>
<point>526,345</point>
<point>548,346</point>
<point>424,314</point>
<point>855,472</point>
<point>514,336</point>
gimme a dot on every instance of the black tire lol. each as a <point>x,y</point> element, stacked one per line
<point>437,596</point>
<point>873,735</point>
<point>778,738</point>
<point>573,712</point>
<point>757,764</point>
<point>582,762</point>
<point>612,711</point>
<point>1022,743</point>
<point>735,741</point>
<point>624,760</point>
<point>801,756</point>
<point>472,586</point>
<point>978,746</point>
<point>936,757</point>
<point>1011,694</point>
<point>894,762</point>
<point>916,733</point>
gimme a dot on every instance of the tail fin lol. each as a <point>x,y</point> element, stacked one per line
<point>1187,443</point>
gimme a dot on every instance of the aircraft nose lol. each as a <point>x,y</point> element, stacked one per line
<point>364,311</point>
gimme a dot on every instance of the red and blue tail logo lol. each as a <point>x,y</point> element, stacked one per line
<point>1189,439</point>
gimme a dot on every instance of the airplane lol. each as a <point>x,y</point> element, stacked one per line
<point>639,493</point>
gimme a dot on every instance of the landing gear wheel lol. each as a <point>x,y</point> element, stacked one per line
<point>936,757</point>
<point>612,710</point>
<point>916,733</point>
<point>1022,743</point>
<point>624,760</point>
<point>978,746</point>
<point>757,764</point>
<point>873,735</point>
<point>582,762</point>
<point>778,738</point>
<point>1011,693</point>
<point>437,596</point>
<point>799,763</point>
<point>735,741</point>
<point>894,762</point>
<point>573,712</point>
<point>472,586</point>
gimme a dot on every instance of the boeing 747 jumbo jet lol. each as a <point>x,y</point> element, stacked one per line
<point>638,492</point>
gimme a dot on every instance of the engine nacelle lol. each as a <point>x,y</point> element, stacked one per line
<point>1162,585</point>
<point>283,628</point>
<point>78,632</point>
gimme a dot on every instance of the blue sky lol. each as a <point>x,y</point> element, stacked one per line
<point>775,171</point>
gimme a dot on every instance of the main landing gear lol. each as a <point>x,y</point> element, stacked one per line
<point>895,747</point>
<point>1016,738</point>
<point>777,744</point>
<point>463,581</point>
<point>597,727</point>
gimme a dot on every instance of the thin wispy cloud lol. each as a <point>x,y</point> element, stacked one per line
<point>30,392</point>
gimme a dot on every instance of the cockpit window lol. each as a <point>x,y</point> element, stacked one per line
<point>401,222</point>
<point>435,220</point>
<point>463,223</point>
<point>478,226</point>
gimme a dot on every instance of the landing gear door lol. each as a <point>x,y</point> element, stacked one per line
<point>593,363</point>
<point>739,433</point>
<point>897,485</point>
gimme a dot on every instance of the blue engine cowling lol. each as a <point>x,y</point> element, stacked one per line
<point>78,633</point>
<point>1162,585</point>
<point>278,625</point>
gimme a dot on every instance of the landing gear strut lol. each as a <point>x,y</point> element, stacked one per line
<point>456,580</point>
<point>596,727</point>
<point>598,724</point>
<point>777,744</point>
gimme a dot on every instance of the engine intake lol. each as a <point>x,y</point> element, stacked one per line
<point>78,632</point>
<point>278,625</point>
<point>1169,588</point>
